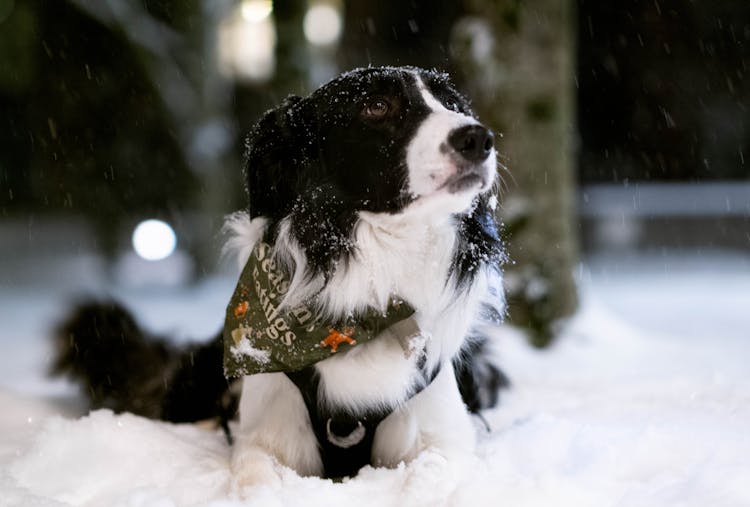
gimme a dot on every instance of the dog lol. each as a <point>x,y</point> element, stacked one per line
<point>375,195</point>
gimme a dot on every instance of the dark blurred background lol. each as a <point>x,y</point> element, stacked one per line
<point>113,112</point>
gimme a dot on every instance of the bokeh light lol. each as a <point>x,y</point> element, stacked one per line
<point>154,240</point>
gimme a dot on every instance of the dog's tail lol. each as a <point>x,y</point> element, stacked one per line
<point>121,367</point>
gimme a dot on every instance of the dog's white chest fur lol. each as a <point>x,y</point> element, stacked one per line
<point>396,258</point>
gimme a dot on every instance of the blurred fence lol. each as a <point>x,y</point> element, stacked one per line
<point>665,215</point>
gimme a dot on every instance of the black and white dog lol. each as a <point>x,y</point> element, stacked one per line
<point>380,184</point>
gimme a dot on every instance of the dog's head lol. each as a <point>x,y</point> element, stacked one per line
<point>377,139</point>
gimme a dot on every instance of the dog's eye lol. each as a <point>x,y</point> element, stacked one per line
<point>451,104</point>
<point>377,108</point>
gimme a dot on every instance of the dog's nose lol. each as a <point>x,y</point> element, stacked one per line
<point>473,142</point>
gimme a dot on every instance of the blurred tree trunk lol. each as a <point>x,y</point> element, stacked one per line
<point>518,64</point>
<point>175,45</point>
<point>397,33</point>
<point>292,57</point>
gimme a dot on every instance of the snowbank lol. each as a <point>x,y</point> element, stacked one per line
<point>611,416</point>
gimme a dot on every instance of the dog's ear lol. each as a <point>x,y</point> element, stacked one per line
<point>276,153</point>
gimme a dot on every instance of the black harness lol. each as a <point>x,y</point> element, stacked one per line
<point>345,441</point>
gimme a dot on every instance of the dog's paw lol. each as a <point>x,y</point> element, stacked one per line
<point>429,464</point>
<point>429,473</point>
<point>254,467</point>
<point>434,474</point>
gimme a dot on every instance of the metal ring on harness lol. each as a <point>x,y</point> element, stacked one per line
<point>349,440</point>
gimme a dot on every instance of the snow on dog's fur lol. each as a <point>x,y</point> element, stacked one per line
<point>379,184</point>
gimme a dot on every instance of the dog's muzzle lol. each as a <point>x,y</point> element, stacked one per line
<point>471,147</point>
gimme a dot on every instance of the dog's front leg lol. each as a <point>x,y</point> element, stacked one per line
<point>433,432</point>
<point>275,431</point>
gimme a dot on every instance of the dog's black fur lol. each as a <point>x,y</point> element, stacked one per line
<point>122,367</point>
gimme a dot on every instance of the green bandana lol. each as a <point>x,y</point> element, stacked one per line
<point>258,338</point>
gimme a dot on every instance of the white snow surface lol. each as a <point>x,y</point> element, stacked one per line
<point>643,401</point>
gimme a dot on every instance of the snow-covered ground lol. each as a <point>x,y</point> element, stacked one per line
<point>644,401</point>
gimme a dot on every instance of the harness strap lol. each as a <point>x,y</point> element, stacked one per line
<point>345,441</point>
